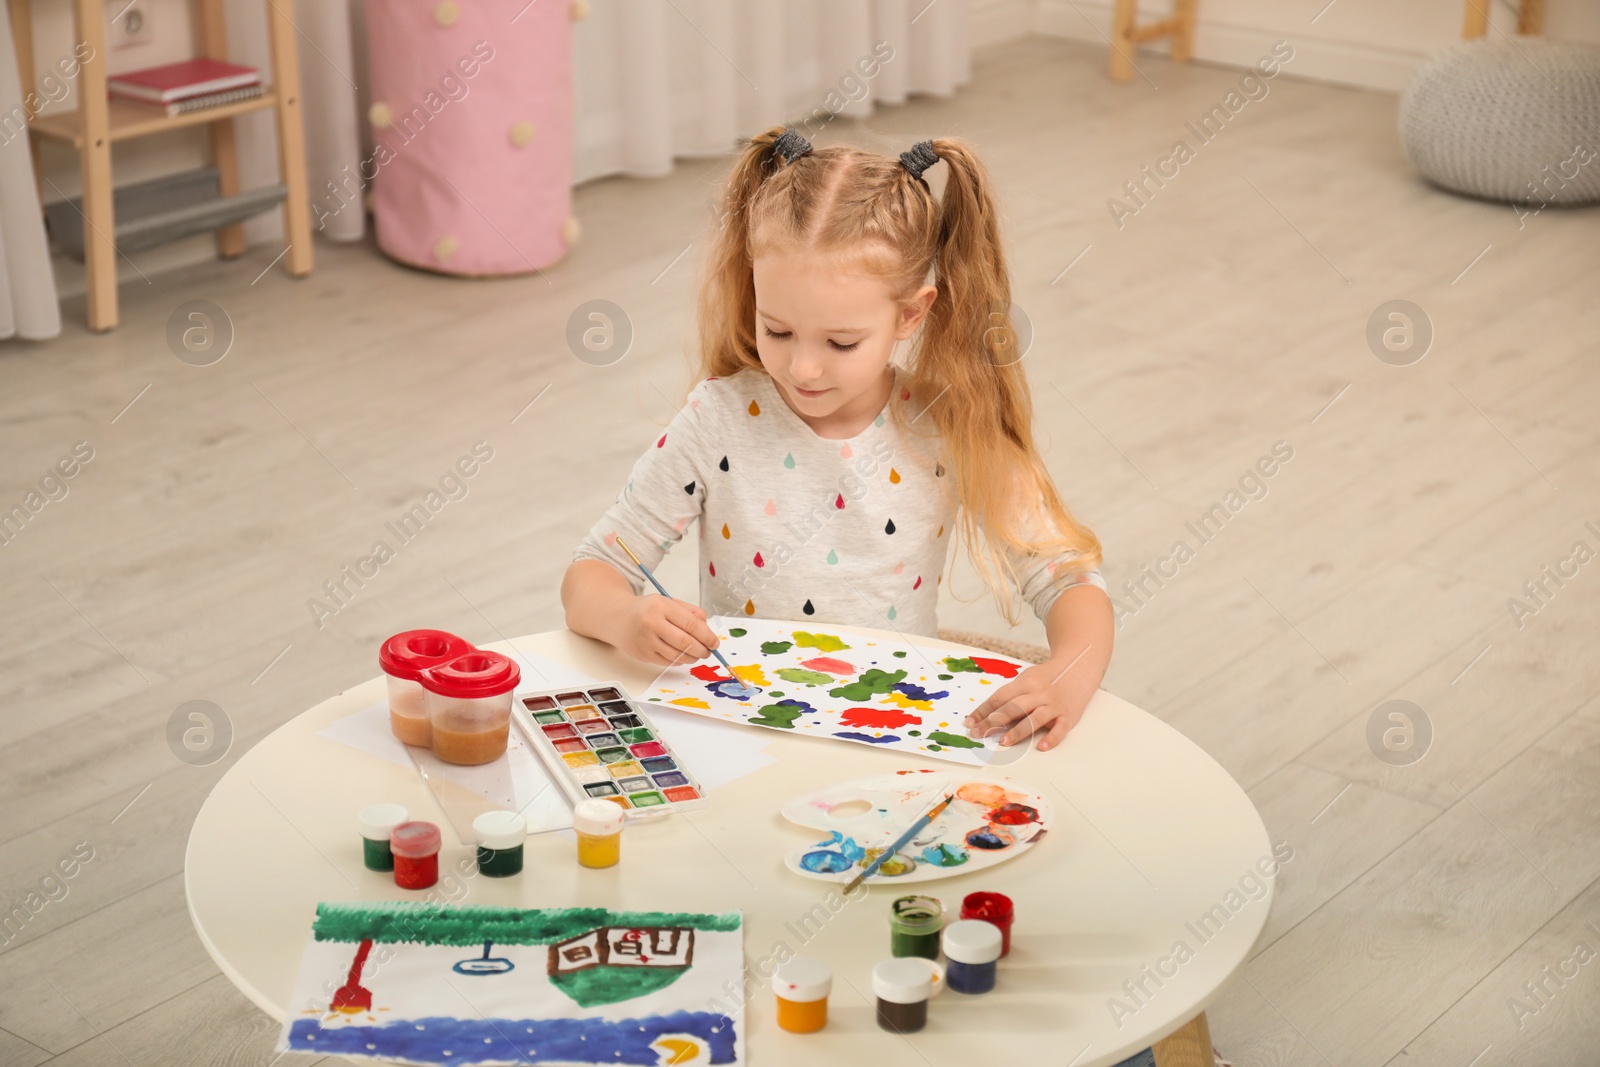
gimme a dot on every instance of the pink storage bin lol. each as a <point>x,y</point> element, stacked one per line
<point>471,120</point>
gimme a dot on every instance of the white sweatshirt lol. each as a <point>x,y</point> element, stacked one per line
<point>794,526</point>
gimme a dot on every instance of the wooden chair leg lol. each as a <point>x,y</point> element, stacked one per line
<point>291,137</point>
<point>1122,46</point>
<point>1530,17</point>
<point>224,152</point>
<point>100,224</point>
<point>1188,1046</point>
<point>1477,19</point>
<point>1183,30</point>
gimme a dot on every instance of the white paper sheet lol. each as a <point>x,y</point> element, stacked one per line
<point>717,753</point>
<point>580,986</point>
<point>898,696</point>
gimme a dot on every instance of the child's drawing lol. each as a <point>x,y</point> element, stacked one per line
<point>991,821</point>
<point>900,695</point>
<point>567,986</point>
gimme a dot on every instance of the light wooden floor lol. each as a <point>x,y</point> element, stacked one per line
<point>1228,314</point>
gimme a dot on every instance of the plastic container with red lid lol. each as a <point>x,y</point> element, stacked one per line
<point>468,701</point>
<point>415,846</point>
<point>403,658</point>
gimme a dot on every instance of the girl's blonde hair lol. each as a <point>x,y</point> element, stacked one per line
<point>965,373</point>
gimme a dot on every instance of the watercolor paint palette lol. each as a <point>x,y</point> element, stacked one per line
<point>599,744</point>
<point>992,820</point>
<point>902,695</point>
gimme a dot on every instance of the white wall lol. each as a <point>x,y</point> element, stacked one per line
<point>1370,43</point>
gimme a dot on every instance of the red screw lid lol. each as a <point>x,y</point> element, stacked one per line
<point>407,655</point>
<point>414,839</point>
<point>477,673</point>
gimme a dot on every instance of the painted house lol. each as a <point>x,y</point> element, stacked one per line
<point>623,946</point>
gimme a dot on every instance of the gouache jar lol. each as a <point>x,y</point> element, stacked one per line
<point>971,947</point>
<point>403,658</point>
<point>993,908</point>
<point>914,925</point>
<point>416,854</point>
<point>468,701</point>
<point>598,824</point>
<point>902,987</point>
<point>935,974</point>
<point>500,835</point>
<point>802,985</point>
<point>377,823</point>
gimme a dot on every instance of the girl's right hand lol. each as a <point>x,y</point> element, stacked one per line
<point>666,631</point>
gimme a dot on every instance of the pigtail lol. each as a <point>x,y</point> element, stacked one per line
<point>728,294</point>
<point>969,350</point>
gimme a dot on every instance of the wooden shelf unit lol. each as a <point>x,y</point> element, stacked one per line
<point>125,119</point>
<point>100,121</point>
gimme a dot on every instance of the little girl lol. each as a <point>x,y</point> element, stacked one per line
<point>831,450</point>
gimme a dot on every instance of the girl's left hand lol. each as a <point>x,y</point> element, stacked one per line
<point>1036,701</point>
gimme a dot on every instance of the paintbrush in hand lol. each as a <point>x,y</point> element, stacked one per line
<point>746,689</point>
<point>899,843</point>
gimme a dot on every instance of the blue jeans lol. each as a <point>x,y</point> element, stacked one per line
<point>1147,1058</point>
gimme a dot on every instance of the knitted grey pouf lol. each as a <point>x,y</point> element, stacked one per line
<point>1512,120</point>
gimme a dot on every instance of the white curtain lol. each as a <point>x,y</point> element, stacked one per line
<point>654,79</point>
<point>28,306</point>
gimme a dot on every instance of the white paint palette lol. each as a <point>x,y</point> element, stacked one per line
<point>991,821</point>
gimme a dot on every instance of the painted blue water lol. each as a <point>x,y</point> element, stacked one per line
<point>882,739</point>
<point>511,1041</point>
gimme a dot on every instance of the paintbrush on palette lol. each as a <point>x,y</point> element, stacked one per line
<point>743,687</point>
<point>899,843</point>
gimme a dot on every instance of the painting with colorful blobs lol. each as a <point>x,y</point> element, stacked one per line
<point>897,695</point>
<point>438,984</point>
<point>598,743</point>
<point>991,820</point>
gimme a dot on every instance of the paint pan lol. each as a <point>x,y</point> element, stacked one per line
<point>600,745</point>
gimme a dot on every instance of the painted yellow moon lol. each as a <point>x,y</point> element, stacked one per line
<point>677,1049</point>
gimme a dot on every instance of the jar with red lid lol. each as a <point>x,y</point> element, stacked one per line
<point>468,701</point>
<point>403,658</point>
<point>415,846</point>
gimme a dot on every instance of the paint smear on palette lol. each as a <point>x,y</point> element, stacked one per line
<point>989,822</point>
<point>891,694</point>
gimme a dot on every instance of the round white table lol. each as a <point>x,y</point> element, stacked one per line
<point>1153,845</point>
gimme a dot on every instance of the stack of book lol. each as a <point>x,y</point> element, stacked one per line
<point>187,86</point>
